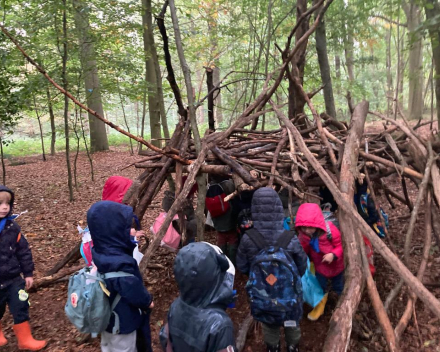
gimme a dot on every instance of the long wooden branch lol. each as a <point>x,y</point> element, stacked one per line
<point>90,111</point>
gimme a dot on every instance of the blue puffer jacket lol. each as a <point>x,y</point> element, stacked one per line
<point>268,215</point>
<point>197,320</point>
<point>110,225</point>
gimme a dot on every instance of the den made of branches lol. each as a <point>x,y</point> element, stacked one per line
<point>309,149</point>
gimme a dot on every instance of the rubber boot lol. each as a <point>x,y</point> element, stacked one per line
<point>3,340</point>
<point>293,348</point>
<point>318,310</point>
<point>270,348</point>
<point>25,339</point>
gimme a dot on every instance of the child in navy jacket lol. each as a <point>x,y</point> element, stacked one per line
<point>15,259</point>
<point>110,225</point>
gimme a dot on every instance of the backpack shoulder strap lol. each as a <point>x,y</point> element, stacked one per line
<point>285,239</point>
<point>116,274</point>
<point>257,238</point>
<point>329,231</point>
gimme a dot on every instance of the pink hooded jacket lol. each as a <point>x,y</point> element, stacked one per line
<point>310,215</point>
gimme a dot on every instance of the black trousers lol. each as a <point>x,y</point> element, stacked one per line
<point>17,299</point>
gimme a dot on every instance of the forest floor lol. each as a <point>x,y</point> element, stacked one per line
<point>50,227</point>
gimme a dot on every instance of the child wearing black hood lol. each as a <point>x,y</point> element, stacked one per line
<point>15,259</point>
<point>197,320</point>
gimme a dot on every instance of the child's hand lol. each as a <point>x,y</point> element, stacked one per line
<point>151,305</point>
<point>328,258</point>
<point>29,282</point>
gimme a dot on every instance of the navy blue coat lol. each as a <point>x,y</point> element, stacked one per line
<point>110,225</point>
<point>197,319</point>
<point>15,254</point>
<point>267,216</point>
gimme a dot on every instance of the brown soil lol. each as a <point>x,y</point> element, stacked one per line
<point>50,226</point>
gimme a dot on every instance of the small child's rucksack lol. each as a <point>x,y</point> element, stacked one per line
<point>274,285</point>
<point>88,306</point>
<point>215,200</point>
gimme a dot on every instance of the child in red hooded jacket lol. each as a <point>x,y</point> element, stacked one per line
<point>321,241</point>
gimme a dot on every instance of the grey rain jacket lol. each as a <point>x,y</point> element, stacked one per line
<point>268,215</point>
<point>197,320</point>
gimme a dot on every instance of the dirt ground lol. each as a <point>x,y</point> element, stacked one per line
<point>50,226</point>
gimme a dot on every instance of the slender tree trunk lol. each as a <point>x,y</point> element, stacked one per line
<point>389,76</point>
<point>324,66</point>
<point>338,74</point>
<point>86,146</point>
<point>66,103</point>
<point>415,97</point>
<point>3,161</point>
<point>98,135</point>
<point>432,9</point>
<point>39,126</point>
<point>150,69</point>
<point>53,132</point>
<point>124,115</point>
<point>201,179</point>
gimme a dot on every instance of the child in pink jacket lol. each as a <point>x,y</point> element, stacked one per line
<point>321,241</point>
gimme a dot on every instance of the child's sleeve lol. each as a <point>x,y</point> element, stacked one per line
<point>24,256</point>
<point>133,291</point>
<point>336,242</point>
<point>298,255</point>
<point>242,258</point>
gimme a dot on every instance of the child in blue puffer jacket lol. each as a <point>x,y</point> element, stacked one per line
<point>110,225</point>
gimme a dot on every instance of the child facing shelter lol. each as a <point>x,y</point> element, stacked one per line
<point>321,241</point>
<point>15,259</point>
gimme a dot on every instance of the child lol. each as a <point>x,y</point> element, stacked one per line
<point>268,215</point>
<point>197,321</point>
<point>110,225</point>
<point>321,241</point>
<point>15,259</point>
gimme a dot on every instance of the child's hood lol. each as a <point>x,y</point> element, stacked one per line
<point>110,225</point>
<point>267,212</point>
<point>115,188</point>
<point>11,203</point>
<point>203,277</point>
<point>310,215</point>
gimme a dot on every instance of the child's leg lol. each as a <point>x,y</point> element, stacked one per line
<point>18,301</point>
<point>323,281</point>
<point>293,335</point>
<point>338,283</point>
<point>143,338</point>
<point>271,336</point>
<point>232,238</point>
<point>118,343</point>
<point>222,241</point>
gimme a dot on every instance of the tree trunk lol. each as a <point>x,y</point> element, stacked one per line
<point>218,113</point>
<point>66,103</point>
<point>432,9</point>
<point>389,76</point>
<point>53,132</point>
<point>210,87</point>
<point>324,66</point>
<point>3,161</point>
<point>415,97</point>
<point>98,135</point>
<point>40,127</point>
<point>150,69</point>
<point>338,73</point>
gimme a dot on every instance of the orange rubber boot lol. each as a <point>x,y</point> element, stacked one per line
<point>25,339</point>
<point>3,340</point>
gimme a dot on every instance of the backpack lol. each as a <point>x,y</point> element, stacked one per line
<point>215,200</point>
<point>88,306</point>
<point>274,285</point>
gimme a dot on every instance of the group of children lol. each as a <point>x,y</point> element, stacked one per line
<point>197,319</point>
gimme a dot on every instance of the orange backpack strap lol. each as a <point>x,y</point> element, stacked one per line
<point>19,237</point>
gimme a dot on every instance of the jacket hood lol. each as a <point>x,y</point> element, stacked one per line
<point>204,275</point>
<point>11,203</point>
<point>267,212</point>
<point>310,215</point>
<point>109,224</point>
<point>115,188</point>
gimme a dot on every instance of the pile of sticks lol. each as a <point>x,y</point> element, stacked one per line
<point>300,154</point>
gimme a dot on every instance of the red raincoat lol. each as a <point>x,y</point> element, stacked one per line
<point>310,215</point>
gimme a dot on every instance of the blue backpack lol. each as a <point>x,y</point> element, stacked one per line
<point>88,306</point>
<point>274,286</point>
